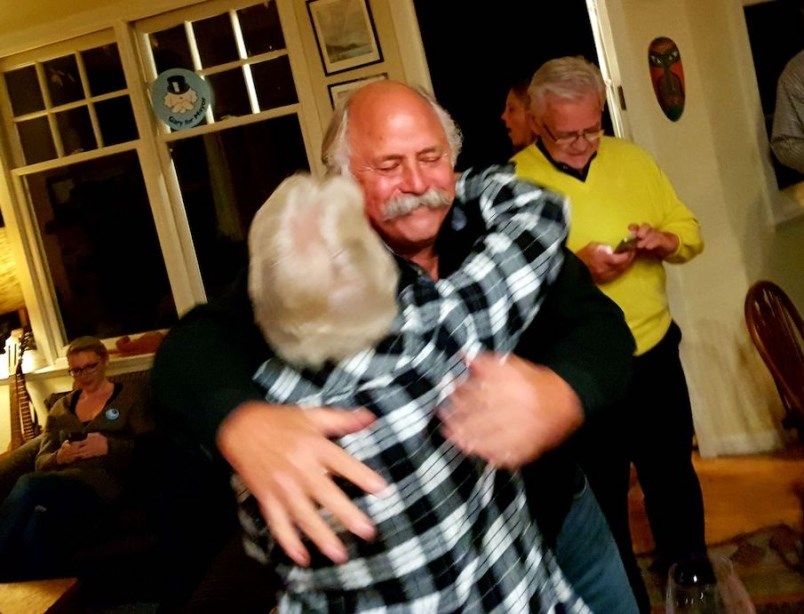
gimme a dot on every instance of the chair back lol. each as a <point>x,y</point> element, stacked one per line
<point>776,328</point>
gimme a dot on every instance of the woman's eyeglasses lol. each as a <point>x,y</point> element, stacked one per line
<point>88,369</point>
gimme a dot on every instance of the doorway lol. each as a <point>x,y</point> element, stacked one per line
<point>475,55</point>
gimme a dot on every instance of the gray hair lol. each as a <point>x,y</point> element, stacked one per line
<point>335,151</point>
<point>567,78</point>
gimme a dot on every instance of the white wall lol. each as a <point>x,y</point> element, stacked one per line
<point>716,156</point>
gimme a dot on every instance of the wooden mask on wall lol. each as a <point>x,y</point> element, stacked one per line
<point>667,76</point>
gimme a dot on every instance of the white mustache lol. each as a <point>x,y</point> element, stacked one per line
<point>407,203</point>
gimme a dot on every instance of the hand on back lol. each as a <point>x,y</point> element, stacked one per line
<point>285,458</point>
<point>510,411</point>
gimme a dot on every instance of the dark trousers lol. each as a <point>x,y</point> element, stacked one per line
<point>660,431</point>
<point>653,431</point>
<point>44,517</point>
<point>605,460</point>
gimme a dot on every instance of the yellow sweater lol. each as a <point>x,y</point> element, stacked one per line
<point>624,186</point>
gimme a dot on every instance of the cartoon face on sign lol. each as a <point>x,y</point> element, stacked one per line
<point>667,76</point>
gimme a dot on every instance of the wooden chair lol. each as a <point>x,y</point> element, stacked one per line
<point>777,330</point>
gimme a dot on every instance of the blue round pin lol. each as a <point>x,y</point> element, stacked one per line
<point>112,414</point>
<point>181,98</point>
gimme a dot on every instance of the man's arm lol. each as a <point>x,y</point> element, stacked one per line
<point>202,383</point>
<point>582,336</point>
<point>579,351</point>
<point>203,369</point>
<point>787,135</point>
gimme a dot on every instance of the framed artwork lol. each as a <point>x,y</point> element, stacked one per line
<point>345,34</point>
<point>338,92</point>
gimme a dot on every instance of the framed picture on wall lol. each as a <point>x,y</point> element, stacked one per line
<point>345,33</point>
<point>339,91</point>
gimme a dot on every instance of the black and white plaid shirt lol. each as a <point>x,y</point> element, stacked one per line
<point>453,534</point>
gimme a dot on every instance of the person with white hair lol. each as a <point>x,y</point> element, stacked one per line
<point>324,291</point>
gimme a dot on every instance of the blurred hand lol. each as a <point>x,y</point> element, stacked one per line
<point>96,444</point>
<point>603,264</point>
<point>654,242</point>
<point>286,460</point>
<point>69,452</point>
<point>510,411</point>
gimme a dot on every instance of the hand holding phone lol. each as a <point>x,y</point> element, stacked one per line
<point>626,245</point>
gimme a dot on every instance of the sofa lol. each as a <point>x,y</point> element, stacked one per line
<point>175,540</point>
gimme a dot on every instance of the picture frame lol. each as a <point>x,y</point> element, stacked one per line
<point>345,34</point>
<point>339,91</point>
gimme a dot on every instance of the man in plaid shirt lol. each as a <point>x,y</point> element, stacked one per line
<point>453,533</point>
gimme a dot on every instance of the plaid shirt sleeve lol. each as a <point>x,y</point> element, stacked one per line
<point>502,283</point>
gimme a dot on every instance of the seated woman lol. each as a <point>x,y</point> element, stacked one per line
<point>81,468</point>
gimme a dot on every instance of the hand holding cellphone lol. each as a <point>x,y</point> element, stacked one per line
<point>626,245</point>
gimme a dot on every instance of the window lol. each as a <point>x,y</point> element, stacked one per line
<point>101,246</point>
<point>126,221</point>
<point>75,158</point>
<point>252,139</point>
<point>70,104</point>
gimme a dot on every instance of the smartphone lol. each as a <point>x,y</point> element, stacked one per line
<point>73,437</point>
<point>626,245</point>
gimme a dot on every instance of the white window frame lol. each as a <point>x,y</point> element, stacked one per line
<point>152,150</point>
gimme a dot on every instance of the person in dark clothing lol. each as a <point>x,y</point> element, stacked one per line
<point>81,471</point>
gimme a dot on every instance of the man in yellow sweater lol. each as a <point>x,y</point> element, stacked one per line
<point>626,222</point>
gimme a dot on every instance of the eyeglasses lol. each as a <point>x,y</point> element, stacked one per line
<point>88,369</point>
<point>568,139</point>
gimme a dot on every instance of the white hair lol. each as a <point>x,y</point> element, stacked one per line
<point>567,78</point>
<point>322,284</point>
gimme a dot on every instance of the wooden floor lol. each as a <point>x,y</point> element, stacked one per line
<point>741,494</point>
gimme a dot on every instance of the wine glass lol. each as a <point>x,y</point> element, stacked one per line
<point>706,585</point>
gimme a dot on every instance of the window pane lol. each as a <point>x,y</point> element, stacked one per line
<point>215,40</point>
<point>75,129</point>
<point>37,142</point>
<point>63,80</point>
<point>23,89</point>
<point>229,94</point>
<point>116,121</point>
<point>261,29</point>
<point>225,177</point>
<point>101,247</point>
<point>274,83</point>
<point>104,71</point>
<point>171,49</point>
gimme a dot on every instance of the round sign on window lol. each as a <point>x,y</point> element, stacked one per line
<point>181,98</point>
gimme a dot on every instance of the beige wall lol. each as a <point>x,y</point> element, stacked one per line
<point>717,157</point>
